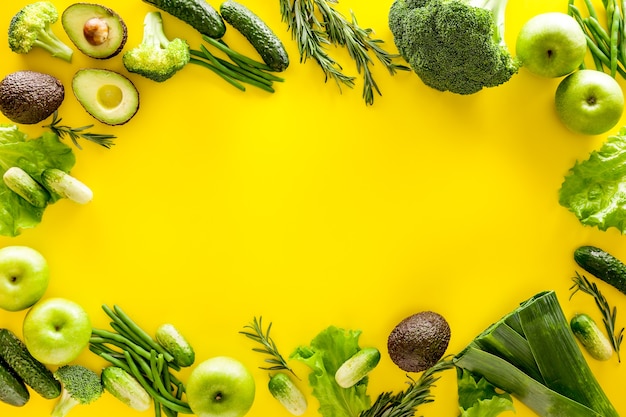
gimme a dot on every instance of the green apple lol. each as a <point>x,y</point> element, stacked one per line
<point>551,44</point>
<point>24,277</point>
<point>589,102</point>
<point>56,331</point>
<point>220,387</point>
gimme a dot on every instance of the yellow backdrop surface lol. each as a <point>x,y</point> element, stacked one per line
<point>310,209</point>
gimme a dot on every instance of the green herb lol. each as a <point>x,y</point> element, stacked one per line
<point>76,133</point>
<point>609,315</point>
<point>269,347</point>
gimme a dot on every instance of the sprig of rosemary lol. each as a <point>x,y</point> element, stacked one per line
<point>268,346</point>
<point>609,315</point>
<point>76,133</point>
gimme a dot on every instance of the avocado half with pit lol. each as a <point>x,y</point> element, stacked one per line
<point>107,95</point>
<point>96,30</point>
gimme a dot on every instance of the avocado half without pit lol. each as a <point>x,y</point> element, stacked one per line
<point>107,95</point>
<point>28,97</point>
<point>96,30</point>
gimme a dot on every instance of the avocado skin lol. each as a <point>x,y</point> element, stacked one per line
<point>419,341</point>
<point>28,97</point>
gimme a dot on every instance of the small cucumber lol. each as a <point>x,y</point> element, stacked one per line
<point>199,14</point>
<point>357,367</point>
<point>589,335</point>
<point>13,391</point>
<point>22,184</point>
<point>123,386</point>
<point>66,186</point>
<point>287,393</point>
<point>35,374</point>
<point>602,265</point>
<point>170,338</point>
<point>260,36</point>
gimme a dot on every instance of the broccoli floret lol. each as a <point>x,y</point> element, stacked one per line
<point>156,58</point>
<point>80,386</point>
<point>31,27</point>
<point>454,45</point>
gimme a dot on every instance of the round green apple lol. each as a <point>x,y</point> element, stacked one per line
<point>24,277</point>
<point>551,44</point>
<point>220,387</point>
<point>589,102</point>
<point>56,331</point>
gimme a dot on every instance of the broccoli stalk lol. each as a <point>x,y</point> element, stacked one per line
<point>31,27</point>
<point>80,386</point>
<point>156,57</point>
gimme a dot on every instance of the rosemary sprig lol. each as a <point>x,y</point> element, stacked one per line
<point>609,315</point>
<point>268,346</point>
<point>76,133</point>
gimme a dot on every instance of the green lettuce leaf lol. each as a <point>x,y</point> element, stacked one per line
<point>595,189</point>
<point>479,398</point>
<point>327,351</point>
<point>33,156</point>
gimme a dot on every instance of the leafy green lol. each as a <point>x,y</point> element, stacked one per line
<point>327,351</point>
<point>595,189</point>
<point>479,398</point>
<point>33,156</point>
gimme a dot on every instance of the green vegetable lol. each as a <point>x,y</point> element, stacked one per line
<point>268,346</point>
<point>26,187</point>
<point>125,388</point>
<point>199,14</point>
<point>76,133</point>
<point>287,393</point>
<point>454,45</point>
<point>80,386</point>
<point>66,186</point>
<point>156,57</point>
<point>13,391</point>
<point>32,27</point>
<point>532,354</point>
<point>357,367</point>
<point>260,36</point>
<point>479,398</point>
<point>175,343</point>
<point>595,189</point>
<point>602,265</point>
<point>590,337</point>
<point>35,374</point>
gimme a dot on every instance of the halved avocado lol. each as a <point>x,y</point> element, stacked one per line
<point>107,95</point>
<point>96,30</point>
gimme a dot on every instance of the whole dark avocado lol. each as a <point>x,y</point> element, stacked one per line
<point>419,341</point>
<point>28,97</point>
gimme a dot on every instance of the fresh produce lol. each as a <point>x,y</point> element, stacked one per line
<point>156,57</point>
<point>34,373</point>
<point>22,184</point>
<point>287,393</point>
<point>28,97</point>
<point>13,391</point>
<point>455,46</point>
<point>168,336</point>
<point>24,277</point>
<point>96,30</point>
<point>532,354</point>
<point>593,189</point>
<point>602,265</point>
<point>260,36</point>
<point>108,96</point>
<point>220,387</point>
<point>123,386</point>
<point>357,367</point>
<point>589,102</point>
<point>551,44</point>
<point>56,330</point>
<point>199,14</point>
<point>76,133</point>
<point>477,397</point>
<point>81,386</point>
<point>591,337</point>
<point>312,35</point>
<point>32,27</point>
<point>66,186</point>
<point>419,341</point>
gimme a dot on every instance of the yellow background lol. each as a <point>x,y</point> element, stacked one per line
<point>311,209</point>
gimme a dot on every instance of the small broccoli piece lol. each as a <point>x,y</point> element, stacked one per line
<point>31,27</point>
<point>454,45</point>
<point>80,386</point>
<point>156,57</point>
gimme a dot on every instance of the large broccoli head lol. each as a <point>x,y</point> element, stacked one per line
<point>453,45</point>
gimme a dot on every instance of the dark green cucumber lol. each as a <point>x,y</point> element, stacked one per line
<point>199,14</point>
<point>13,391</point>
<point>260,36</point>
<point>602,265</point>
<point>35,374</point>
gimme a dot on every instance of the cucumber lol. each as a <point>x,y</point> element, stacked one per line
<point>66,186</point>
<point>589,335</point>
<point>123,386</point>
<point>260,36</point>
<point>287,393</point>
<point>13,391</point>
<point>33,373</point>
<point>197,13</point>
<point>602,265</point>
<point>170,338</point>
<point>357,367</point>
<point>22,184</point>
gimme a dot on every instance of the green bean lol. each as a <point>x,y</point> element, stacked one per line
<point>221,45</point>
<point>216,70</point>
<point>115,361</point>
<point>600,34</point>
<point>121,342</point>
<point>158,382</point>
<point>622,43</point>
<point>157,409</point>
<point>142,334</point>
<point>591,9</point>
<point>613,17</point>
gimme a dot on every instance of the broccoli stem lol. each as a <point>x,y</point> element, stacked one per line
<point>498,9</point>
<point>50,42</point>
<point>65,403</point>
